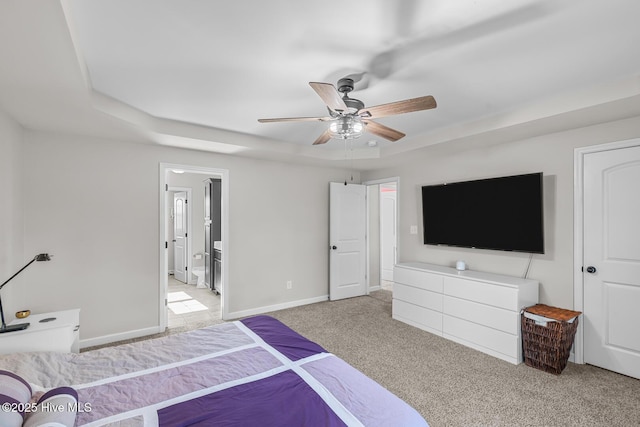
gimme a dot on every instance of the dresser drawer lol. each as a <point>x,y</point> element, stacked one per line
<point>493,317</point>
<point>417,316</point>
<point>416,296</point>
<point>418,279</point>
<point>481,336</point>
<point>485,293</point>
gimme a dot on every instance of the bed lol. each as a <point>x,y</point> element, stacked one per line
<point>255,371</point>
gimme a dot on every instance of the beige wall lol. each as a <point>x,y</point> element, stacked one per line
<point>94,204</point>
<point>551,154</point>
<point>12,256</point>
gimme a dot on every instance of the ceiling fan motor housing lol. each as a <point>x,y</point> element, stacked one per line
<point>345,85</point>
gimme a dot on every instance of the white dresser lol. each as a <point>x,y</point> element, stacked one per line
<point>57,331</point>
<point>479,310</point>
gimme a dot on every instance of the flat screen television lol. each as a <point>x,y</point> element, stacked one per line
<point>504,213</point>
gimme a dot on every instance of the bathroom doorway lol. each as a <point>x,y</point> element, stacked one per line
<point>187,304</point>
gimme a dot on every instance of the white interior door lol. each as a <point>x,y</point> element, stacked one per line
<point>612,260</point>
<point>387,230</point>
<point>180,236</point>
<point>347,231</point>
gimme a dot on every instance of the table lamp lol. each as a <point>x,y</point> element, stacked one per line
<point>19,326</point>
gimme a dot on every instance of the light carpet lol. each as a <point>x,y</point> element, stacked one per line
<point>453,385</point>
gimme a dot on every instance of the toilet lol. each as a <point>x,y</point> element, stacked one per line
<point>199,273</point>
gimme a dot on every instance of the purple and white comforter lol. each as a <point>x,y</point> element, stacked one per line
<point>256,371</point>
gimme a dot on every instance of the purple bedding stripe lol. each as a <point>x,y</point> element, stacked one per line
<point>129,394</point>
<point>57,391</point>
<point>280,400</point>
<point>282,338</point>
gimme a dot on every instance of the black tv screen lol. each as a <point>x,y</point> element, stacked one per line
<point>504,213</point>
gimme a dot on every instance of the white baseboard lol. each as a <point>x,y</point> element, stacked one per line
<point>374,288</point>
<point>108,339</point>
<point>276,307</point>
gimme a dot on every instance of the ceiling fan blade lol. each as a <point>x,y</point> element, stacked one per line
<point>322,139</point>
<point>383,131</point>
<point>329,95</point>
<point>399,107</point>
<point>296,119</point>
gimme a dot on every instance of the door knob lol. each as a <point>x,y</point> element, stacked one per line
<point>591,269</point>
<point>334,247</point>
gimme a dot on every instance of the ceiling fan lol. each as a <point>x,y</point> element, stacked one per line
<point>348,118</point>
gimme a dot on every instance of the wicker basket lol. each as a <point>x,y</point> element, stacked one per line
<point>547,347</point>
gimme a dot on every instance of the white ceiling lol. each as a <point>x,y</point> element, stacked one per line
<point>199,73</point>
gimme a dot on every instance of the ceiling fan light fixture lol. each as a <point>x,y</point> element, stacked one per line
<point>346,127</point>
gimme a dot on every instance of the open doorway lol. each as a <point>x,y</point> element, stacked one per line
<point>190,302</point>
<point>186,302</point>
<point>382,230</point>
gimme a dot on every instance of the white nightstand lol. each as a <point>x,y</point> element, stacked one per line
<point>57,331</point>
